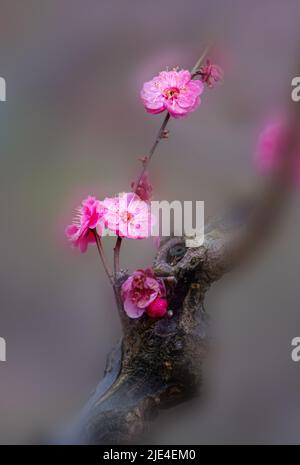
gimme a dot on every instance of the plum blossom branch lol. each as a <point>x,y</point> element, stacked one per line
<point>161,132</point>
<point>170,92</point>
<point>176,92</point>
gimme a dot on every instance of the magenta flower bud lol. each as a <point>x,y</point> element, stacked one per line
<point>211,74</point>
<point>158,308</point>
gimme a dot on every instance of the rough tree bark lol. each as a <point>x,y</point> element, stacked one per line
<point>157,364</point>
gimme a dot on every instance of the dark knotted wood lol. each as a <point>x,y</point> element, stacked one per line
<point>158,362</point>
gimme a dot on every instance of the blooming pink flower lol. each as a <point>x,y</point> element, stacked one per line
<point>128,216</point>
<point>144,189</point>
<point>270,145</point>
<point>140,290</point>
<point>173,91</point>
<point>158,308</point>
<point>89,216</point>
<point>211,74</point>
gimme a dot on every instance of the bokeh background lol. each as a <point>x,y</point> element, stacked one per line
<point>73,125</point>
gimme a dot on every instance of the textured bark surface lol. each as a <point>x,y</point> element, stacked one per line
<point>158,362</point>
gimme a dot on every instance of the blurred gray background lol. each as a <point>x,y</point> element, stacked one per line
<point>74,125</point>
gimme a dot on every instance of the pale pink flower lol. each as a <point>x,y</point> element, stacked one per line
<point>144,189</point>
<point>173,91</point>
<point>140,290</point>
<point>270,148</point>
<point>89,216</point>
<point>211,74</point>
<point>128,216</point>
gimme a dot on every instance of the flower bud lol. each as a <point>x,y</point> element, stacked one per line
<point>158,308</point>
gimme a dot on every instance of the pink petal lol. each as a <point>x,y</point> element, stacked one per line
<point>183,77</point>
<point>175,110</point>
<point>155,112</point>
<point>123,229</point>
<point>152,283</point>
<point>186,100</point>
<point>168,78</point>
<point>137,231</point>
<point>196,104</point>
<point>132,310</point>
<point>154,106</point>
<point>196,87</point>
<point>71,230</point>
<point>145,301</point>
<point>126,286</point>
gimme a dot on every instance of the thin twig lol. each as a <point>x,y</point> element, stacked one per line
<point>149,157</point>
<point>152,150</point>
<point>117,254</point>
<point>199,62</point>
<point>102,257</point>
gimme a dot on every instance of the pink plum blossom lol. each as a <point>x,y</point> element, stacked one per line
<point>140,290</point>
<point>89,216</point>
<point>174,91</point>
<point>128,216</point>
<point>211,74</point>
<point>270,145</point>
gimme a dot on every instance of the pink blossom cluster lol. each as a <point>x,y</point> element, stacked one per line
<point>126,215</point>
<point>143,293</point>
